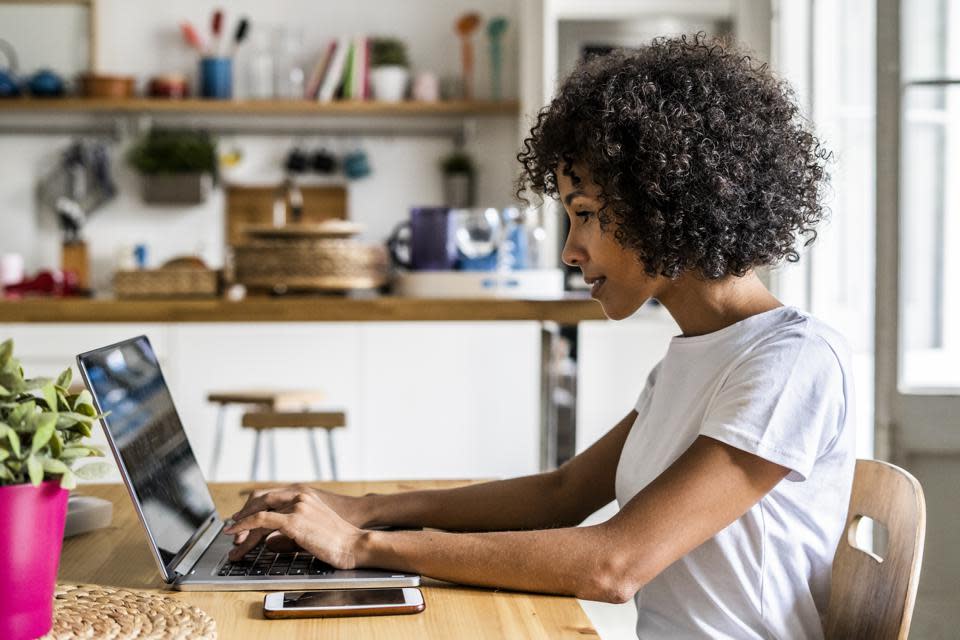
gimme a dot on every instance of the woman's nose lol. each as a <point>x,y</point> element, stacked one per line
<point>572,254</point>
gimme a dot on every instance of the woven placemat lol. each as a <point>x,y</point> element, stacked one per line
<point>94,611</point>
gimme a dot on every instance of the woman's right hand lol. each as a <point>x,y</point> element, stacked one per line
<point>350,508</point>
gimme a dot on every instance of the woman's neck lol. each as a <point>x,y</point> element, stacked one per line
<point>704,306</point>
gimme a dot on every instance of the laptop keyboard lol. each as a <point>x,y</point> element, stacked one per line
<point>260,561</point>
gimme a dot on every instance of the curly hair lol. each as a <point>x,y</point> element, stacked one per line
<point>704,162</point>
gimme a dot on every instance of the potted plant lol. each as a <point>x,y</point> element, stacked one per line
<point>178,166</point>
<point>458,179</point>
<point>389,69</point>
<point>42,431</point>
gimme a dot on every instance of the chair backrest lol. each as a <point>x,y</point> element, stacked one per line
<point>870,596</point>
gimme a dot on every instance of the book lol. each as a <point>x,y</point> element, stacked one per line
<point>333,77</point>
<point>360,65</point>
<point>348,72</point>
<point>312,89</point>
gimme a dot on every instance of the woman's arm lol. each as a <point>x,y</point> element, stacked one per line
<point>560,498</point>
<point>708,487</point>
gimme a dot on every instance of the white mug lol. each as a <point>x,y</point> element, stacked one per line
<point>11,269</point>
<point>426,87</point>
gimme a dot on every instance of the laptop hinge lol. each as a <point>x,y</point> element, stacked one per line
<point>199,546</point>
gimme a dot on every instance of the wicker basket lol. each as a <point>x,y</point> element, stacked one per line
<point>310,264</point>
<point>167,282</point>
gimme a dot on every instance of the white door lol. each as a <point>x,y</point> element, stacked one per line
<point>918,280</point>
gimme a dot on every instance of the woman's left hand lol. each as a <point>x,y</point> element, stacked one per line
<point>306,521</point>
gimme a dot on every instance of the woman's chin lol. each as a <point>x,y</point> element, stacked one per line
<point>619,311</point>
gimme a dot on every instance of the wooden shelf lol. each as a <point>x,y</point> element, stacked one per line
<point>262,107</point>
<point>568,310</point>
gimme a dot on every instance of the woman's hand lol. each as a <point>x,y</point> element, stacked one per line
<point>302,516</point>
<point>350,508</point>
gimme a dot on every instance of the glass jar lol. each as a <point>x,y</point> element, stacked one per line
<point>289,73</point>
<point>260,67</point>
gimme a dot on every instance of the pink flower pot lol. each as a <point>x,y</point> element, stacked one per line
<point>31,534</point>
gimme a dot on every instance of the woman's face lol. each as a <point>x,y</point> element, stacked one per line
<point>616,275</point>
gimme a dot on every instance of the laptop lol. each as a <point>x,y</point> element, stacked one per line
<point>171,496</point>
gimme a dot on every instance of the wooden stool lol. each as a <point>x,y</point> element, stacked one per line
<point>263,398</point>
<point>309,420</point>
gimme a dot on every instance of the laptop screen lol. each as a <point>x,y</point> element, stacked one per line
<point>143,424</point>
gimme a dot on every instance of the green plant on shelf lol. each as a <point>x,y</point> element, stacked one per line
<point>457,162</point>
<point>386,52</point>
<point>173,151</point>
<point>43,427</point>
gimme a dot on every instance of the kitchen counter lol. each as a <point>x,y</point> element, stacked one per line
<point>566,311</point>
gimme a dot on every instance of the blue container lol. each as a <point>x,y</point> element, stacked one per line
<point>216,78</point>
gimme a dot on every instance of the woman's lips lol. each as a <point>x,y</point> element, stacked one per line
<point>596,286</point>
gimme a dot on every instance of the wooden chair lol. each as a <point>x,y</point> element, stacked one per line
<point>873,597</point>
<point>309,420</point>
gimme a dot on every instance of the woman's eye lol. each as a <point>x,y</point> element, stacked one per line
<point>584,215</point>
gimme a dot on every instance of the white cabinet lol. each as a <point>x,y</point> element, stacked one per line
<point>423,400</point>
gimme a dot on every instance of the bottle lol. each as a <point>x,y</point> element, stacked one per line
<point>289,83</point>
<point>260,67</point>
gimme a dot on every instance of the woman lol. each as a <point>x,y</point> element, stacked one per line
<point>682,167</point>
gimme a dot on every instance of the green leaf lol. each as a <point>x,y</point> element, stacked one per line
<point>65,378</point>
<point>56,444</point>
<point>52,466</point>
<point>4,454</point>
<point>6,350</point>
<point>3,391</point>
<point>35,470</point>
<point>50,396</point>
<point>35,383</point>
<point>94,470</point>
<point>78,451</point>
<point>84,404</point>
<point>68,480</point>
<point>46,424</point>
<point>13,437</point>
<point>5,473</point>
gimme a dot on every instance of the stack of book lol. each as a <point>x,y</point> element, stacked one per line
<point>342,72</point>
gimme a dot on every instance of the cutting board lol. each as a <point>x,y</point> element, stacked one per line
<point>253,205</point>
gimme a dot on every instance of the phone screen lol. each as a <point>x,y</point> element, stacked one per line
<point>341,598</point>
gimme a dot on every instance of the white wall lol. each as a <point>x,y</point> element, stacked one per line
<point>142,38</point>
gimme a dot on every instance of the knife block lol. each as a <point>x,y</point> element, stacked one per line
<point>74,257</point>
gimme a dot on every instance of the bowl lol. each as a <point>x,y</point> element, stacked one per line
<point>99,85</point>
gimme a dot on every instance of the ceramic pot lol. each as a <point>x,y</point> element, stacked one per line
<point>389,83</point>
<point>31,535</point>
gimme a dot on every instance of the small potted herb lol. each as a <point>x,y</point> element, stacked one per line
<point>42,432</point>
<point>459,178</point>
<point>389,69</point>
<point>178,166</point>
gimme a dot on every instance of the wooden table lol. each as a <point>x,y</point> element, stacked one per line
<point>119,556</point>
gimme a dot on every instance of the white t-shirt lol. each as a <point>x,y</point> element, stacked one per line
<point>777,385</point>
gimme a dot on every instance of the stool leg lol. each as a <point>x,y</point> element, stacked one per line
<point>256,456</point>
<point>317,472</point>
<point>272,446</point>
<point>332,453</point>
<point>217,442</point>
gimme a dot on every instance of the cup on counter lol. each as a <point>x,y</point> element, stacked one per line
<point>216,78</point>
<point>11,269</point>
<point>425,242</point>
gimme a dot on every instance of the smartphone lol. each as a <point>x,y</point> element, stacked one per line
<point>333,603</point>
